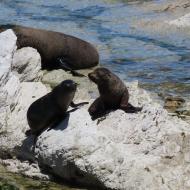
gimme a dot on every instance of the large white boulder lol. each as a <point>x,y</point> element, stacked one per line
<point>8,47</point>
<point>15,97</point>
<point>27,64</point>
<point>9,84</point>
<point>148,150</point>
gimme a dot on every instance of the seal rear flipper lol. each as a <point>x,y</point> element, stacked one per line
<point>131,109</point>
<point>73,105</point>
<point>126,106</point>
<point>66,67</point>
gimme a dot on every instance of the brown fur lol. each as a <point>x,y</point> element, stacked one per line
<point>52,46</point>
<point>113,93</point>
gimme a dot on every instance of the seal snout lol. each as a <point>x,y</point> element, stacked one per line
<point>69,84</point>
<point>92,77</point>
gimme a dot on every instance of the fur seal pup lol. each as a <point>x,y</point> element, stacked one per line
<point>113,94</point>
<point>51,109</point>
<point>57,50</point>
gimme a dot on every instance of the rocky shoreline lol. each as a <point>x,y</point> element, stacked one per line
<point>148,150</point>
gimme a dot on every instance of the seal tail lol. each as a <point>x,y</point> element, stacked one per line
<point>132,109</point>
<point>65,67</point>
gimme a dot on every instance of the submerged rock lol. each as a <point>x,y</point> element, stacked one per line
<point>172,103</point>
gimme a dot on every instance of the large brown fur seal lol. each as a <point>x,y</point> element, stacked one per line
<point>51,109</point>
<point>113,94</point>
<point>57,50</point>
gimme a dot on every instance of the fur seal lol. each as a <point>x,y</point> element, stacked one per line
<point>57,50</point>
<point>113,94</point>
<point>51,109</point>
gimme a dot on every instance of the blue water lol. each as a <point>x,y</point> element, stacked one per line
<point>161,63</point>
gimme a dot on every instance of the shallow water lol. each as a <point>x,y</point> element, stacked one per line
<point>160,63</point>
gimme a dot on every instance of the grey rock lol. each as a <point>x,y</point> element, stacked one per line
<point>85,88</point>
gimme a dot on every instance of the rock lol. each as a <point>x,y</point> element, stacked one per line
<point>8,39</point>
<point>148,150</point>
<point>15,97</point>
<point>8,99</point>
<point>53,78</point>
<point>24,168</point>
<point>11,139</point>
<point>27,64</point>
<point>9,84</point>
<point>173,103</point>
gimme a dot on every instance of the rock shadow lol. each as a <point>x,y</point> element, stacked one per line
<point>63,124</point>
<point>27,150</point>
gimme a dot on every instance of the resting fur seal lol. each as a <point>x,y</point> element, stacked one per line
<point>51,109</point>
<point>113,94</point>
<point>57,50</point>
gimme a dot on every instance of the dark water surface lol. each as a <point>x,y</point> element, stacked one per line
<point>160,63</point>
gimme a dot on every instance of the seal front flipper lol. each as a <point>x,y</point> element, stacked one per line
<point>65,67</point>
<point>58,120</point>
<point>97,109</point>
<point>132,109</point>
<point>28,132</point>
<point>73,105</point>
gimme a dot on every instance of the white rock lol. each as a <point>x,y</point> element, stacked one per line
<point>147,150</point>
<point>24,168</point>
<point>27,64</point>
<point>8,46</point>
<point>11,141</point>
<point>9,85</point>
<point>8,99</point>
